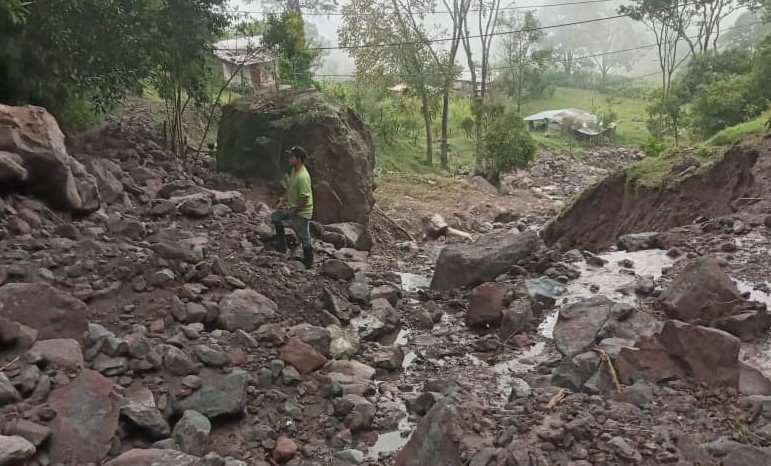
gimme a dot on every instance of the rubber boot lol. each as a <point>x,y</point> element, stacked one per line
<point>308,257</point>
<point>280,239</point>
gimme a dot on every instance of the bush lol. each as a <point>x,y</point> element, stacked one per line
<point>723,103</point>
<point>507,145</point>
<point>653,147</point>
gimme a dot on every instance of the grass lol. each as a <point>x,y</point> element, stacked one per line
<point>653,172</point>
<point>734,134</point>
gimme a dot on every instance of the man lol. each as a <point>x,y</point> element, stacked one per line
<point>296,206</point>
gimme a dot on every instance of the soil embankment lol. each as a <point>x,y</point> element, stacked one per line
<point>615,206</point>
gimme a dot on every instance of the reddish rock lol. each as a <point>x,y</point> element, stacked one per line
<point>683,351</point>
<point>285,450</point>
<point>63,352</point>
<point>302,356</point>
<point>435,441</point>
<point>153,457</point>
<point>486,304</point>
<point>86,420</point>
<point>41,306</point>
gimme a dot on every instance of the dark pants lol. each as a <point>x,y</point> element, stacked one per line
<point>300,225</point>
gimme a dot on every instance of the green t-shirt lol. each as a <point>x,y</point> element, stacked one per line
<point>299,188</point>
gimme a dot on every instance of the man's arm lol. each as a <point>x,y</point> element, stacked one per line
<point>300,205</point>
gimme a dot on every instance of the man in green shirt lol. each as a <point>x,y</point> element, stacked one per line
<point>296,206</point>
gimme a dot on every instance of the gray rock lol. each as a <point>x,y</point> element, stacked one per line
<point>337,269</point>
<point>139,407</point>
<point>343,342</point>
<point>390,358</point>
<point>423,403</point>
<point>195,206</point>
<point>337,305</point>
<point>517,318</point>
<point>702,291</point>
<point>574,372</point>
<point>191,432</point>
<point>318,337</point>
<point>179,363</point>
<point>745,455</point>
<point>639,241</point>
<point>350,455</point>
<point>15,450</point>
<point>578,324</point>
<point>246,310</point>
<point>473,264</point>
<point>211,357</point>
<point>219,396</point>
<point>32,432</point>
<point>8,394</point>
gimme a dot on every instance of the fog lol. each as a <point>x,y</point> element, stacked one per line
<point>617,33</point>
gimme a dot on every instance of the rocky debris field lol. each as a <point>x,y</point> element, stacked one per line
<point>143,321</point>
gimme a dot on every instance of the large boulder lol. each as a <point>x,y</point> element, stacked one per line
<point>701,292</point>
<point>34,138</point>
<point>436,439</point>
<point>486,304</point>
<point>245,310</point>
<point>341,152</point>
<point>482,261</point>
<point>41,306</point>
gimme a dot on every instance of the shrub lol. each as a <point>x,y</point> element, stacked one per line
<point>507,145</point>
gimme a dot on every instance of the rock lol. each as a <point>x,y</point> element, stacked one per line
<point>436,226</point>
<point>12,172</point>
<point>162,207</point>
<point>41,306</point>
<point>337,269</point>
<point>386,292</point>
<point>767,221</point>
<point>34,137</point>
<point>683,351</point>
<point>211,357</point>
<point>386,320</point>
<point>358,292</point>
<point>63,352</point>
<point>139,407</point>
<point>245,310</point>
<point>344,342</point>
<point>578,324</point>
<point>110,187</point>
<point>302,356</point>
<point>350,456</point>
<point>33,433</point>
<point>701,292</point>
<point>15,450</point>
<point>191,432</point>
<point>318,337</point>
<point>574,372</point>
<point>161,277</point>
<point>486,304</point>
<point>748,326</point>
<point>153,457</point>
<point>195,205</point>
<point>361,415</point>
<point>356,235</point>
<point>285,450</point>
<point>423,403</point>
<point>624,450</point>
<point>337,305</point>
<point>482,261</point>
<point>86,420</point>
<point>389,359</point>
<point>179,363</point>
<point>220,395</point>
<point>355,369</point>
<point>640,241</point>
<point>744,455</point>
<point>752,381</point>
<point>517,318</point>
<point>434,441</point>
<point>178,251</point>
<point>339,143</point>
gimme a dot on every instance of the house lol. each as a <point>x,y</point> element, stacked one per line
<point>464,85</point>
<point>247,61</point>
<point>582,125</point>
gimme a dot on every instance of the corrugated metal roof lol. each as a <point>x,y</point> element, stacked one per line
<point>246,50</point>
<point>559,115</point>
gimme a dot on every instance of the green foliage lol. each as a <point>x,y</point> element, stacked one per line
<point>285,37</point>
<point>654,147</point>
<point>732,135</point>
<point>249,28</point>
<point>15,10</point>
<point>722,103</point>
<point>508,145</point>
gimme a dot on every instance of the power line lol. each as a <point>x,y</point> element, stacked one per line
<point>441,12</point>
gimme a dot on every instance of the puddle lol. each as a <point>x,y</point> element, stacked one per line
<point>391,442</point>
<point>609,279</point>
<point>412,283</point>
<point>755,295</point>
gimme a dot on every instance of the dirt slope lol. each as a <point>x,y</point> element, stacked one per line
<point>738,183</point>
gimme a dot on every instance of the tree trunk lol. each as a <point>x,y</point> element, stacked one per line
<point>429,136</point>
<point>445,126</point>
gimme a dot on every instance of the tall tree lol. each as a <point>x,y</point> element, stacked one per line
<point>285,38</point>
<point>485,25</point>
<point>748,31</point>
<point>519,51</point>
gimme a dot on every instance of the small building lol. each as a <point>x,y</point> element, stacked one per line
<point>580,124</point>
<point>464,85</point>
<point>247,62</point>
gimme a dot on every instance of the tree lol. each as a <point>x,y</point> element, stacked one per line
<point>487,12</point>
<point>15,10</point>
<point>520,55</point>
<point>186,32</point>
<point>748,31</point>
<point>285,38</point>
<point>508,145</point>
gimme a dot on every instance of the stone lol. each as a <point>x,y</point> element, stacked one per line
<point>390,359</point>
<point>482,261</point>
<point>355,369</point>
<point>343,342</point>
<point>517,318</point>
<point>42,307</point>
<point>63,352</point>
<point>34,433</point>
<point>110,366</point>
<point>318,337</point>
<point>436,226</point>
<point>387,292</point>
<point>339,143</point>
<point>34,137</point>
<point>434,442</point>
<point>12,171</point>
<point>358,292</point>
<point>302,356</point>
<point>355,235</point>
<point>752,381</point>
<point>161,277</point>
<point>350,456</point>
<point>683,351</point>
<point>110,187</point>
<point>28,379</point>
<point>337,269</point>
<point>701,292</point>
<point>191,432</point>
<point>574,372</point>
<point>179,363</point>
<point>423,403</point>
<point>153,457</point>
<point>86,419</point>
<point>285,450</point>
<point>640,241</point>
<point>337,305</point>
<point>748,326</point>
<point>219,396</point>
<point>744,455</point>
<point>210,356</point>
<point>245,310</point>
<point>386,320</point>
<point>15,450</point>
<point>362,413</point>
<point>578,324</point>
<point>194,205</point>
<point>139,407</point>
<point>162,208</point>
<point>486,304</point>
<point>178,251</point>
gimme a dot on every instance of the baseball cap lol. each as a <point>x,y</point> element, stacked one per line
<point>297,151</point>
